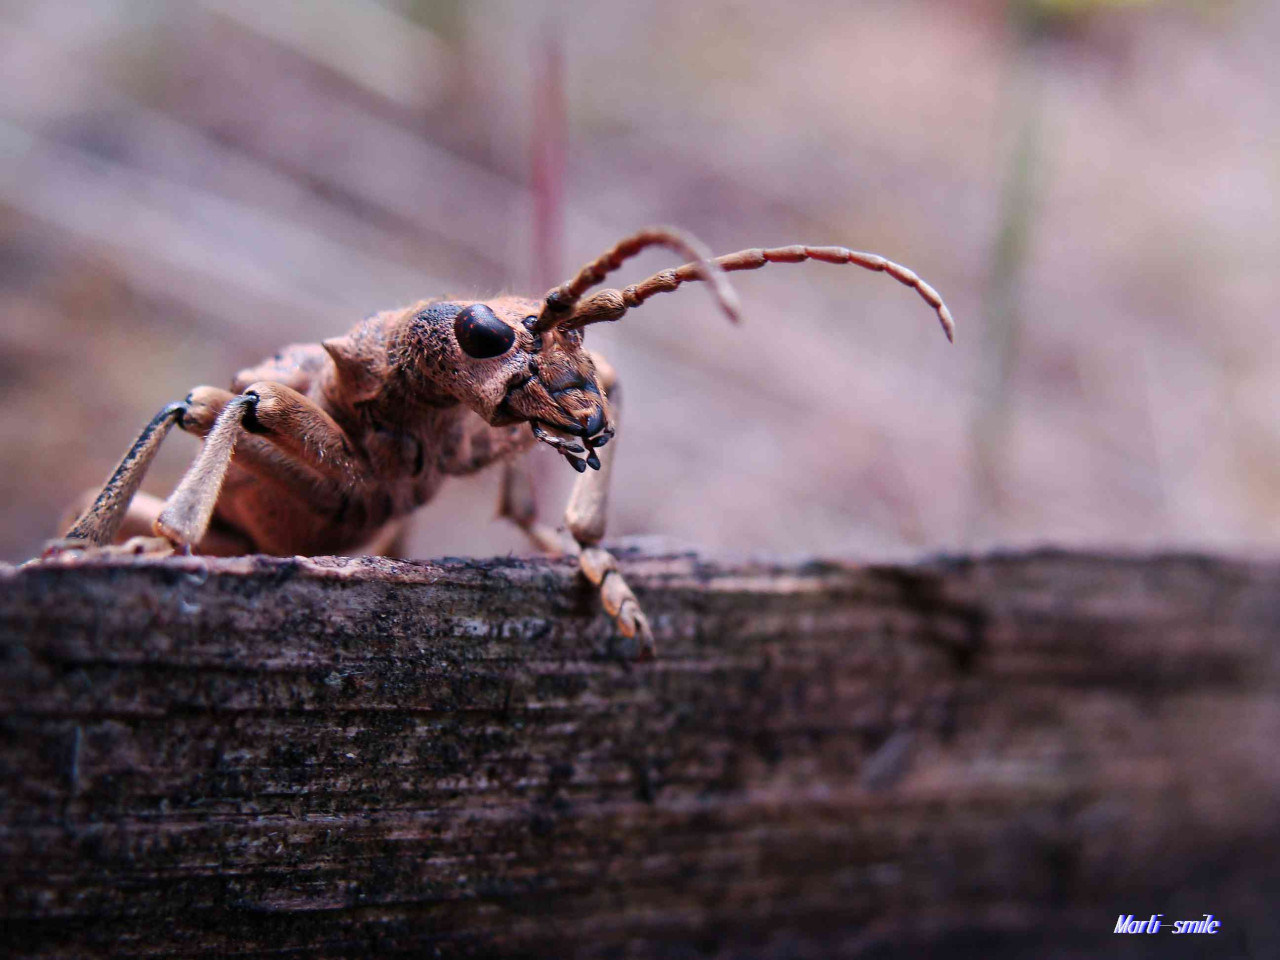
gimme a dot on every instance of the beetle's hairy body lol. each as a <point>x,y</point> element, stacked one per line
<point>407,440</point>
<point>326,446</point>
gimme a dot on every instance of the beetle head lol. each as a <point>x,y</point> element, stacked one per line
<point>486,355</point>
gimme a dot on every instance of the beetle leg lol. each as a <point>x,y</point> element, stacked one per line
<point>296,425</point>
<point>585,517</point>
<point>261,455</point>
<point>301,447</point>
<point>519,504</point>
<point>138,526</point>
<point>283,436</point>
<point>188,512</point>
<point>99,524</point>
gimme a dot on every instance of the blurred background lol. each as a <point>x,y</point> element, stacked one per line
<point>1091,186</point>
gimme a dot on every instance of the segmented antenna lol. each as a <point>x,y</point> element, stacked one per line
<point>612,304</point>
<point>559,304</point>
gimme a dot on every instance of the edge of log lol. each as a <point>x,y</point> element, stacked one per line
<point>340,756</point>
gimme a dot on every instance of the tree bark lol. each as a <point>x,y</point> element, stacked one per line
<point>990,756</point>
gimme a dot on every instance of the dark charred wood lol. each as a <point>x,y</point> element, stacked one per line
<point>965,757</point>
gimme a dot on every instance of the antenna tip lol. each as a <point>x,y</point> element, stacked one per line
<point>948,324</point>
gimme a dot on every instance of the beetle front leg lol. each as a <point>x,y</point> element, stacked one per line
<point>137,533</point>
<point>283,436</point>
<point>187,513</point>
<point>585,517</point>
<point>100,523</point>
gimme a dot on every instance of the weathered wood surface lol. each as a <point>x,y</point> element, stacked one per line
<point>966,757</point>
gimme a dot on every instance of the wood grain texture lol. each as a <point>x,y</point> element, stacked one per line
<point>332,757</point>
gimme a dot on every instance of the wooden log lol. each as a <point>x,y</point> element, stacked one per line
<point>989,756</point>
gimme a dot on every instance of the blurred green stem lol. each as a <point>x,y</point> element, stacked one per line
<point>1018,202</point>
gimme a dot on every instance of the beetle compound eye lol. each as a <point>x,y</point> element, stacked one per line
<point>481,334</point>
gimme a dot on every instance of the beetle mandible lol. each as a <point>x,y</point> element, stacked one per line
<point>337,442</point>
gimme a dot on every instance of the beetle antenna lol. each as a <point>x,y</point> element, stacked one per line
<point>559,303</point>
<point>612,304</point>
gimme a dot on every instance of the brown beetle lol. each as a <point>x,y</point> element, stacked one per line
<point>336,443</point>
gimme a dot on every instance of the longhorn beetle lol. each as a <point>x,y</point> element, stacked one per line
<point>336,443</point>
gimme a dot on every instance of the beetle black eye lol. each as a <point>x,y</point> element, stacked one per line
<point>481,334</point>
